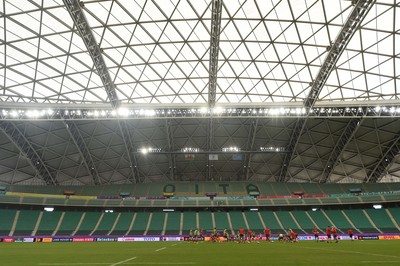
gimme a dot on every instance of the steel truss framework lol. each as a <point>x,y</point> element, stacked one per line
<point>307,91</point>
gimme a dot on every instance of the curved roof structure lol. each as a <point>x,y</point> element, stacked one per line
<point>121,91</point>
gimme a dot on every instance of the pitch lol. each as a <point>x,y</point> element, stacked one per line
<point>185,253</point>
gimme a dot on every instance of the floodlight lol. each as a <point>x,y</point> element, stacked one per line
<point>48,209</point>
<point>314,209</point>
<point>109,211</point>
<point>254,209</point>
<point>168,210</point>
<point>377,206</point>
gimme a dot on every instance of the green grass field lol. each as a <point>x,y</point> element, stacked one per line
<point>184,253</point>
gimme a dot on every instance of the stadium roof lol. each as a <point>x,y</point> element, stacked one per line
<point>102,92</point>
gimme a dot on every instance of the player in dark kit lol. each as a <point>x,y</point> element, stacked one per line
<point>267,232</point>
<point>315,232</point>
<point>328,234</point>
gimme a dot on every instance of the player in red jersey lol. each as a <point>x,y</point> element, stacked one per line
<point>328,234</point>
<point>241,234</point>
<point>350,233</point>
<point>267,232</point>
<point>293,236</point>
<point>315,232</point>
<point>249,235</point>
<point>334,233</point>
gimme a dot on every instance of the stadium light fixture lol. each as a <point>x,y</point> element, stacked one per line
<point>109,211</point>
<point>254,209</point>
<point>377,206</point>
<point>168,210</point>
<point>314,209</point>
<point>48,209</point>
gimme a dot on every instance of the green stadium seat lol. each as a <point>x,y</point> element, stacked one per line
<point>359,219</point>
<point>26,222</point>
<point>89,223</point>
<point>254,221</point>
<point>382,220</point>
<point>189,221</point>
<point>320,219</point>
<point>287,221</point>
<point>173,223</point>
<point>339,220</point>
<point>205,221</point>
<point>122,226</point>
<point>303,220</point>
<point>6,221</point>
<point>270,221</point>
<point>237,220</point>
<point>156,223</point>
<point>140,223</point>
<point>221,220</point>
<point>48,223</point>
<point>106,223</point>
<point>69,222</point>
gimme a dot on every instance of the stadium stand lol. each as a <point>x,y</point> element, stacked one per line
<point>26,223</point>
<point>189,221</point>
<point>221,220</point>
<point>254,221</point>
<point>69,222</point>
<point>123,224</point>
<point>320,219</point>
<point>106,223</point>
<point>48,223</point>
<point>156,225</point>
<point>173,223</point>
<point>382,220</point>
<point>303,220</point>
<point>237,220</point>
<point>7,218</point>
<point>89,223</point>
<point>359,219</point>
<point>140,224</point>
<point>205,220</point>
<point>339,220</point>
<point>287,221</point>
<point>270,221</point>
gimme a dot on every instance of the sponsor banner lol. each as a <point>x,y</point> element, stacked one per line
<point>125,239</point>
<point>8,240</point>
<point>29,239</point>
<point>18,240</point>
<point>305,238</point>
<point>389,237</point>
<point>370,237</point>
<point>138,239</point>
<point>56,239</point>
<point>47,240</point>
<point>83,239</point>
<point>105,239</point>
<point>172,238</point>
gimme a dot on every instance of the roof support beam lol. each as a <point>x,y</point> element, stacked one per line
<point>25,147</point>
<point>170,139</point>
<point>357,15</point>
<point>80,144</point>
<point>385,161</point>
<point>291,148</point>
<point>334,158</point>
<point>134,175</point>
<point>214,50</point>
<point>74,8</point>
<point>210,138</point>
<point>250,147</point>
<point>353,22</point>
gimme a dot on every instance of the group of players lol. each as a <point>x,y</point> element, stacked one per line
<point>249,236</point>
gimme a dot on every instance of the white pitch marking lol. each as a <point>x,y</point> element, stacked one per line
<point>354,252</point>
<point>120,262</point>
<point>380,261</point>
<point>74,263</point>
<point>160,249</point>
